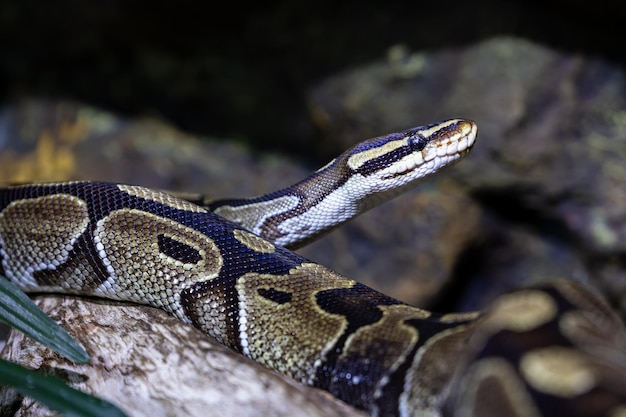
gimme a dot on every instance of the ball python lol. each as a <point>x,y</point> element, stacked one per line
<point>224,267</point>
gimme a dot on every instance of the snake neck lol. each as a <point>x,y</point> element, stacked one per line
<point>364,176</point>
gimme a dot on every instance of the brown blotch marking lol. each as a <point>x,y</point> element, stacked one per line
<point>387,342</point>
<point>82,273</point>
<point>581,296</point>
<point>459,317</point>
<point>389,336</point>
<point>426,382</point>
<point>38,234</point>
<point>492,388</point>
<point>141,272</point>
<point>583,329</point>
<point>161,197</point>
<point>578,326</point>
<point>253,241</point>
<point>212,307</point>
<point>290,337</point>
<point>593,327</point>
<point>558,371</point>
<point>586,299</point>
<point>619,411</point>
<point>521,311</point>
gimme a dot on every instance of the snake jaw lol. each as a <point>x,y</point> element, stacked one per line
<point>451,139</point>
<point>439,145</point>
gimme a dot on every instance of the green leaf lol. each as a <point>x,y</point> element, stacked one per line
<point>18,311</point>
<point>53,393</point>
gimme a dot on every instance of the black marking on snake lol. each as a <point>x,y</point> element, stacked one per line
<point>395,386</point>
<point>348,301</point>
<point>83,245</point>
<point>375,143</point>
<point>1,266</point>
<point>205,290</point>
<point>426,330</point>
<point>277,296</point>
<point>178,250</point>
<point>357,376</point>
<point>359,305</point>
<point>308,192</point>
<point>233,251</point>
<point>375,164</point>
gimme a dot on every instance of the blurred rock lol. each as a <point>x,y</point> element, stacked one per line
<point>542,196</point>
<point>549,159</point>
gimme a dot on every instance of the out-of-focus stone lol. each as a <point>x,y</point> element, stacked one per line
<point>551,147</point>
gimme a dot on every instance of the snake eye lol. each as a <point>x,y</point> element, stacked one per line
<point>417,142</point>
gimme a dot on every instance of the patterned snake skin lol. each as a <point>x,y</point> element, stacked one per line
<point>222,267</point>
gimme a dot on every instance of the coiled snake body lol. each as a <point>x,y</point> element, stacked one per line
<point>223,268</point>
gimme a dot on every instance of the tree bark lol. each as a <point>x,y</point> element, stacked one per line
<point>150,364</point>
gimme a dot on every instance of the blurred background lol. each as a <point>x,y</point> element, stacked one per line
<point>244,69</point>
<point>241,98</point>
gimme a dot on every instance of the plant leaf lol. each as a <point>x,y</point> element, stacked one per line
<point>53,393</point>
<point>18,311</point>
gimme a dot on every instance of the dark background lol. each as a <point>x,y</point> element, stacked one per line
<point>243,69</point>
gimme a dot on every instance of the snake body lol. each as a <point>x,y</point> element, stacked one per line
<point>222,267</point>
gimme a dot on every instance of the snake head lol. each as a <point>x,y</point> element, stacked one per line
<point>387,165</point>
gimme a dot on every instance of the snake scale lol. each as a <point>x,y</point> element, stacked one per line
<point>223,267</point>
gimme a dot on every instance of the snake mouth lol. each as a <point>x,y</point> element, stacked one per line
<point>424,169</point>
<point>454,139</point>
<point>453,142</point>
